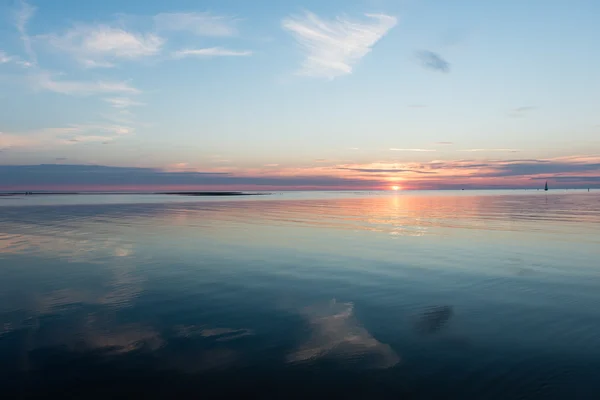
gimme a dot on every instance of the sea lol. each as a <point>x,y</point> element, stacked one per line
<point>338,295</point>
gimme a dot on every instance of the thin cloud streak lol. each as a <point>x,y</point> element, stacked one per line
<point>22,17</point>
<point>433,61</point>
<point>122,102</point>
<point>44,80</point>
<point>473,172</point>
<point>332,47</point>
<point>523,109</point>
<point>492,150</point>
<point>55,137</point>
<point>211,52</point>
<point>417,150</point>
<point>521,112</point>
<point>383,170</point>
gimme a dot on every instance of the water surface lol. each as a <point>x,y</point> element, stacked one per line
<point>483,295</point>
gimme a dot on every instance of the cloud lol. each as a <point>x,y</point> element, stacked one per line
<point>578,171</point>
<point>88,139</point>
<point>55,175</point>
<point>417,150</point>
<point>118,130</point>
<point>4,58</point>
<point>433,61</point>
<point>332,48</point>
<point>201,24</point>
<point>44,80</point>
<point>520,112</point>
<point>594,180</point>
<point>271,165</point>
<point>544,167</point>
<point>211,52</point>
<point>9,141</point>
<point>21,18</point>
<point>24,64</point>
<point>385,170</point>
<point>492,150</point>
<point>69,135</point>
<point>122,102</point>
<point>98,45</point>
<point>523,109</point>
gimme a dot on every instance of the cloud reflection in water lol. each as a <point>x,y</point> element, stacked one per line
<point>338,334</point>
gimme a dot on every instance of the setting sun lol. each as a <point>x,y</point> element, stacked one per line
<point>396,188</point>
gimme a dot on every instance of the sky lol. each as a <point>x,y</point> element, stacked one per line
<point>312,94</point>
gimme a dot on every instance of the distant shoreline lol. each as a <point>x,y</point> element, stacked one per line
<point>213,194</point>
<point>130,193</point>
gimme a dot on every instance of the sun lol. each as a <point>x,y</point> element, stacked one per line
<point>395,188</point>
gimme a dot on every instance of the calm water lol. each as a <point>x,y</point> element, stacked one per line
<point>466,295</point>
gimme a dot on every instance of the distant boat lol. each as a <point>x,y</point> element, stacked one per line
<point>546,187</point>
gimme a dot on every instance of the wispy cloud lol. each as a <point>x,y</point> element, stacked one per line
<point>492,150</point>
<point>87,139</point>
<point>4,58</point>
<point>68,135</point>
<point>523,109</point>
<point>21,17</point>
<point>9,141</point>
<point>333,47</point>
<point>44,80</point>
<point>417,150</point>
<point>211,52</point>
<point>201,24</point>
<point>433,61</point>
<point>122,102</point>
<point>118,130</point>
<point>100,45</point>
<point>384,170</point>
<point>520,112</point>
<point>580,170</point>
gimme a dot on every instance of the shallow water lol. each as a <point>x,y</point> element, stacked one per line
<point>483,295</point>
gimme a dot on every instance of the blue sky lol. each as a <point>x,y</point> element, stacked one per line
<point>415,92</point>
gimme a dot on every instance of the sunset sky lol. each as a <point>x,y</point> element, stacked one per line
<point>311,94</point>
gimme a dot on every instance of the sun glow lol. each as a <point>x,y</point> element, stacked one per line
<point>395,188</point>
